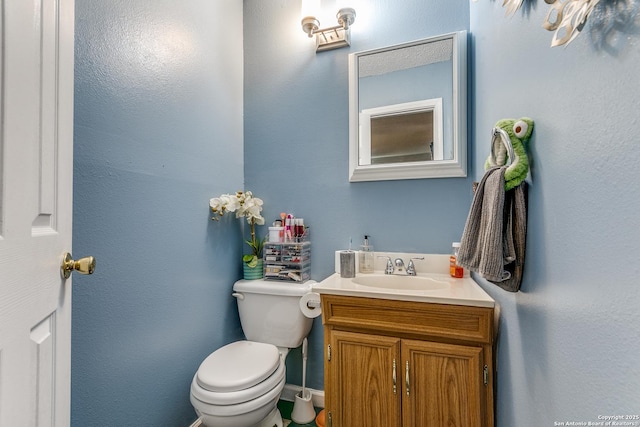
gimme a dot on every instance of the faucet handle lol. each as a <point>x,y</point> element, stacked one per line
<point>411,268</point>
<point>389,268</point>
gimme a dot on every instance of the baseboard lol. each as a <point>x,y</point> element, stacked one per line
<point>290,391</point>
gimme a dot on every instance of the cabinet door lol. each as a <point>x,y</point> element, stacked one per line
<point>443,385</point>
<point>361,379</point>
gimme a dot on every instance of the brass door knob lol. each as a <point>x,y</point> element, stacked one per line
<point>84,265</point>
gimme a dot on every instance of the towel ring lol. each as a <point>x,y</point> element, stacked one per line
<point>502,152</point>
<point>501,149</point>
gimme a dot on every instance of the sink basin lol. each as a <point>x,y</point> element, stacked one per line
<point>417,283</point>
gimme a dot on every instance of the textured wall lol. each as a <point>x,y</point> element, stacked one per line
<point>296,139</point>
<point>158,131</point>
<point>569,340</point>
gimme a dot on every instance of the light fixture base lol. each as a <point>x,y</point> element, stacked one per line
<point>332,38</point>
<point>310,25</point>
<point>346,16</point>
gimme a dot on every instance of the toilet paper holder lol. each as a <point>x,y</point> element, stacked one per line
<point>310,305</point>
<point>313,304</point>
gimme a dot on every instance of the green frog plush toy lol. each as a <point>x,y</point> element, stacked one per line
<point>508,144</point>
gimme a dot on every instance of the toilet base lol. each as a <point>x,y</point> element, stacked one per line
<point>274,419</point>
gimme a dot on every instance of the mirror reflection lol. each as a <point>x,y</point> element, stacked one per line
<point>413,133</point>
<point>410,132</point>
<point>407,110</point>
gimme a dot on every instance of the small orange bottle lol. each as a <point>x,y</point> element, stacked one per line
<point>454,269</point>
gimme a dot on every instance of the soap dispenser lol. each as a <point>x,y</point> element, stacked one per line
<point>366,256</point>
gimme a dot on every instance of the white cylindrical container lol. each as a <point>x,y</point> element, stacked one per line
<point>275,234</point>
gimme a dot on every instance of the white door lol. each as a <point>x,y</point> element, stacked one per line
<point>36,152</point>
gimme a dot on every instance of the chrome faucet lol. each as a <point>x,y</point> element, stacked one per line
<point>411,269</point>
<point>397,267</point>
<point>389,269</point>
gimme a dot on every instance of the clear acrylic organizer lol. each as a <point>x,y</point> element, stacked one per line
<point>288,261</point>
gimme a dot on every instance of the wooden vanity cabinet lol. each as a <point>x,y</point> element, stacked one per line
<point>407,364</point>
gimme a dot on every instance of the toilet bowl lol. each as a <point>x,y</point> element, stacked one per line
<point>239,384</point>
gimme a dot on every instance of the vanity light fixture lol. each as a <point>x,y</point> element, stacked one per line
<point>327,38</point>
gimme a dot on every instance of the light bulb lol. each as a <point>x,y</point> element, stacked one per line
<point>344,4</point>
<point>309,8</point>
<point>308,12</point>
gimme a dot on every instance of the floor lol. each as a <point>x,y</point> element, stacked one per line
<point>286,408</point>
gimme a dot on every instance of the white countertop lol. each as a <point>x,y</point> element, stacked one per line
<point>464,291</point>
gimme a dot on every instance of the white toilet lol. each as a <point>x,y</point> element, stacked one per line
<point>239,384</point>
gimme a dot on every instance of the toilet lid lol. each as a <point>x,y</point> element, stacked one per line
<point>238,366</point>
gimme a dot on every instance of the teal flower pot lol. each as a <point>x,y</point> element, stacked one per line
<point>253,273</point>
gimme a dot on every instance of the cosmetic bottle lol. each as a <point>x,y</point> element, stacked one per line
<point>454,269</point>
<point>288,229</point>
<point>298,229</point>
<point>366,256</point>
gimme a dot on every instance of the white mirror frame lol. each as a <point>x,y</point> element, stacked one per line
<point>456,167</point>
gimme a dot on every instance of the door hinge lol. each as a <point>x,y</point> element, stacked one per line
<point>330,424</point>
<point>486,375</point>
<point>329,352</point>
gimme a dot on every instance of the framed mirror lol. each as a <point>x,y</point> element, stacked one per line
<point>407,110</point>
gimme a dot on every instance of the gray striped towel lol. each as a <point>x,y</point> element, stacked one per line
<point>494,237</point>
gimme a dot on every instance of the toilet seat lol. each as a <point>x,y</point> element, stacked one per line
<point>239,396</point>
<point>237,373</point>
<point>238,366</point>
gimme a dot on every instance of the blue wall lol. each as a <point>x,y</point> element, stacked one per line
<point>297,133</point>
<point>158,131</point>
<point>569,340</point>
<point>568,345</point>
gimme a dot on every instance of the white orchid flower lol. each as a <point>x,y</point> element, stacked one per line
<point>244,205</point>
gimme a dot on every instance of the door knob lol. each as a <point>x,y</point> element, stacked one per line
<point>84,265</point>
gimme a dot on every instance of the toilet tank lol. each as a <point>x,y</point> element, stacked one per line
<point>270,311</point>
